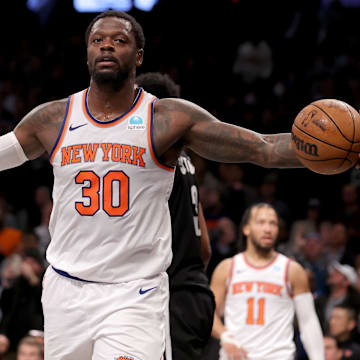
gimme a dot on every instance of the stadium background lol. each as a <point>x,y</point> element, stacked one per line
<point>253,63</point>
<point>314,49</point>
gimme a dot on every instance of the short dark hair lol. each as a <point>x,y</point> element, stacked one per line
<point>351,311</point>
<point>247,213</point>
<point>136,28</point>
<point>158,84</point>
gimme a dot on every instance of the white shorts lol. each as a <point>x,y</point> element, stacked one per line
<point>92,321</point>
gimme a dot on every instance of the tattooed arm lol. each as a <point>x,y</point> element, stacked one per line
<point>177,119</point>
<point>38,130</point>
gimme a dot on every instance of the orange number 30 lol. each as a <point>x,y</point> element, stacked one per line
<point>250,320</point>
<point>91,191</point>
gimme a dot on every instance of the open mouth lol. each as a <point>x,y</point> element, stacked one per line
<point>106,61</point>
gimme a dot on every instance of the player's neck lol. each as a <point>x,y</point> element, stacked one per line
<point>106,102</point>
<point>259,259</point>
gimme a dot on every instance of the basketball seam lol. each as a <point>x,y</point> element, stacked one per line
<point>324,142</point>
<point>352,142</point>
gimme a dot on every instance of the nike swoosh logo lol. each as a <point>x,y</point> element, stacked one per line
<point>142,292</point>
<point>71,128</point>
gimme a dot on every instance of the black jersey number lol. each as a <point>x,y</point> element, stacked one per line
<point>195,202</point>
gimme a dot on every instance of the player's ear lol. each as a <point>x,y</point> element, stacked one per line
<point>246,230</point>
<point>139,57</point>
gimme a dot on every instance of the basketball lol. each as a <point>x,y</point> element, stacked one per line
<point>326,136</point>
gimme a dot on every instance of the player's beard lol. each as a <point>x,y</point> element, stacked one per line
<point>261,249</point>
<point>114,78</point>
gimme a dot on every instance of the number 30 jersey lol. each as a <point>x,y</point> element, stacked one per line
<point>259,310</point>
<point>110,220</point>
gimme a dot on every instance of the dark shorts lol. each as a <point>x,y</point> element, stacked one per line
<point>191,320</point>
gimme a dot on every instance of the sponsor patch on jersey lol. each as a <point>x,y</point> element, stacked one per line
<point>123,358</point>
<point>136,123</point>
<point>277,268</point>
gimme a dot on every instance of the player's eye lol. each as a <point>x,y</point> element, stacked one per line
<point>97,40</point>
<point>118,40</point>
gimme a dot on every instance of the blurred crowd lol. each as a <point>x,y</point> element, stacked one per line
<point>254,76</point>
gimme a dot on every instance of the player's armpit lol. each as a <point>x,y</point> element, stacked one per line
<point>298,279</point>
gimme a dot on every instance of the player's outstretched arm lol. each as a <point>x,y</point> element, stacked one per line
<point>310,330</point>
<point>180,120</point>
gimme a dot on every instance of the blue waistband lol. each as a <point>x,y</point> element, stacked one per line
<point>64,273</point>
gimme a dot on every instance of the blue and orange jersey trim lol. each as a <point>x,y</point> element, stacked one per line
<point>231,273</point>
<point>63,128</point>
<point>118,119</point>
<point>151,138</point>
<point>286,279</point>
<point>259,267</point>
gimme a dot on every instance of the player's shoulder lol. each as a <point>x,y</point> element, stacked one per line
<point>47,112</point>
<point>180,108</point>
<point>297,273</point>
<point>224,266</point>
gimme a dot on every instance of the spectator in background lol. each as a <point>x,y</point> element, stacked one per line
<point>268,193</point>
<point>253,61</point>
<point>349,214</point>
<point>4,346</point>
<point>343,326</point>
<point>340,281</point>
<point>223,239</point>
<point>10,238</point>
<point>349,209</point>
<point>10,270</point>
<point>29,349</point>
<point>42,230</point>
<point>332,350</point>
<point>338,245</point>
<point>313,259</point>
<point>212,199</point>
<point>21,301</point>
<point>238,195</point>
<point>302,227</point>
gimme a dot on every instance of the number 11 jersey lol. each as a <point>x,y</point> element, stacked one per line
<point>259,311</point>
<point>110,220</point>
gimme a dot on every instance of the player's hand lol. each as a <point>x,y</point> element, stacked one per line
<point>234,351</point>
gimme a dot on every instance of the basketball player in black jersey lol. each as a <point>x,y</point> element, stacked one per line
<point>191,300</point>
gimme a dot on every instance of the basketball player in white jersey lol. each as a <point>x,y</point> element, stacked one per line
<point>113,149</point>
<point>258,291</point>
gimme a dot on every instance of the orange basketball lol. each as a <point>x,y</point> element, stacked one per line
<point>326,136</point>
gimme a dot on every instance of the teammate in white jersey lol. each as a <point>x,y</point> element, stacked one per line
<point>257,292</point>
<point>113,149</point>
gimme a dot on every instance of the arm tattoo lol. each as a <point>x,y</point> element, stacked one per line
<point>39,129</point>
<point>220,141</point>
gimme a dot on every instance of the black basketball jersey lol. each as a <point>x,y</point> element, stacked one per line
<point>187,267</point>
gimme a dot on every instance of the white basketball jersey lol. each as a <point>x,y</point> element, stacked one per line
<point>110,221</point>
<point>259,311</point>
